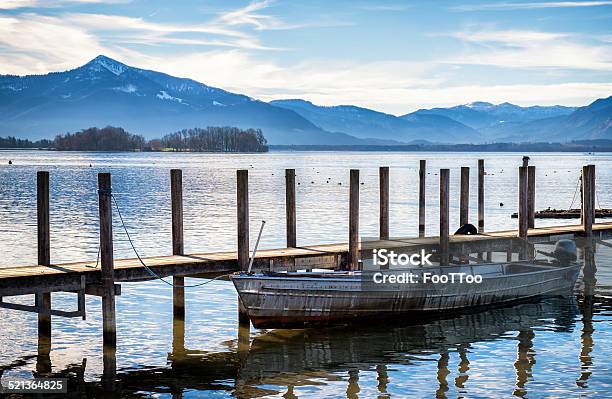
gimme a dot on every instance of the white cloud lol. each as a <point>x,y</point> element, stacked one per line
<point>531,49</point>
<point>531,6</point>
<point>16,4</point>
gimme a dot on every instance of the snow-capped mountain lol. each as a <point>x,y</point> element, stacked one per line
<point>107,92</point>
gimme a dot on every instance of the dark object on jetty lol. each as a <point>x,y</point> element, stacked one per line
<point>567,213</point>
<point>466,229</point>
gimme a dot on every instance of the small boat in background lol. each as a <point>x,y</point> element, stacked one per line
<point>302,299</point>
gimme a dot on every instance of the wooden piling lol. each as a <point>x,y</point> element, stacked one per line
<point>243,218</point>
<point>523,211</point>
<point>353,253</point>
<point>464,196</point>
<point>422,173</point>
<point>109,324</point>
<point>531,193</point>
<point>290,208</point>
<point>588,199</point>
<point>444,216</point>
<point>383,174</point>
<point>481,194</point>
<point>43,300</point>
<point>178,246</point>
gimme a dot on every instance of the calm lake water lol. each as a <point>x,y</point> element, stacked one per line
<point>559,347</point>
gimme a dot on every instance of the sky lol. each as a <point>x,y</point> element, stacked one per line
<point>391,56</point>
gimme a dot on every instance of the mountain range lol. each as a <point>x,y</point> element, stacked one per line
<point>107,92</point>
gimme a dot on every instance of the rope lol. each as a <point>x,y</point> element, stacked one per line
<point>147,268</point>
<point>574,197</point>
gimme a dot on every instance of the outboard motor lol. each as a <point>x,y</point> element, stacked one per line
<point>565,251</point>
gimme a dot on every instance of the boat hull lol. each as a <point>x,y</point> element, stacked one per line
<point>296,302</point>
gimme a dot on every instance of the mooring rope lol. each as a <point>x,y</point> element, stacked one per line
<point>574,197</point>
<point>147,268</point>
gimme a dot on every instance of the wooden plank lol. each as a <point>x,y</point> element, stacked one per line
<point>444,216</point>
<point>290,208</point>
<point>242,209</point>
<point>481,195</point>
<point>588,199</point>
<point>383,179</point>
<point>422,173</point>
<point>353,253</point>
<point>464,196</point>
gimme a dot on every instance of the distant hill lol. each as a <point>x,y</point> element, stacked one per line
<point>107,92</point>
<point>363,122</point>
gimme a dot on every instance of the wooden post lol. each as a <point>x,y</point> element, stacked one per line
<point>290,208</point>
<point>588,199</point>
<point>444,216</point>
<point>531,193</point>
<point>523,211</point>
<point>383,174</point>
<point>422,170</point>
<point>178,248</point>
<point>481,194</point>
<point>43,300</point>
<point>109,324</point>
<point>243,218</point>
<point>353,253</point>
<point>464,197</point>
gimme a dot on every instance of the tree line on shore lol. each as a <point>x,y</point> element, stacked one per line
<point>210,139</point>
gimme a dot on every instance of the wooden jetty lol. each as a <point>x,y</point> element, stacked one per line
<point>84,278</point>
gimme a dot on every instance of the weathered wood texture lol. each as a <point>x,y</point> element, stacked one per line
<point>43,299</point>
<point>464,196</point>
<point>531,195</point>
<point>481,195</point>
<point>444,215</point>
<point>523,214</point>
<point>383,178</point>
<point>176,195</point>
<point>109,324</point>
<point>290,207</point>
<point>242,206</point>
<point>422,173</point>
<point>353,254</point>
<point>588,198</point>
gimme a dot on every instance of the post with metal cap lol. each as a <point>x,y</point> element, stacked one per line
<point>242,210</point>
<point>43,299</point>
<point>290,207</point>
<point>178,248</point>
<point>481,191</point>
<point>353,250</point>
<point>444,216</point>
<point>422,170</point>
<point>383,174</point>
<point>109,323</point>
<point>464,196</point>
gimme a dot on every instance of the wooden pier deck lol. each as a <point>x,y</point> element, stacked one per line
<point>21,280</point>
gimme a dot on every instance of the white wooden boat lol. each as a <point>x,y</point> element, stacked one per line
<point>299,299</point>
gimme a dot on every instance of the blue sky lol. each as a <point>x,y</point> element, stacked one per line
<point>393,56</point>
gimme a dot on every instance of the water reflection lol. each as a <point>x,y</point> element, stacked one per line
<point>436,357</point>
